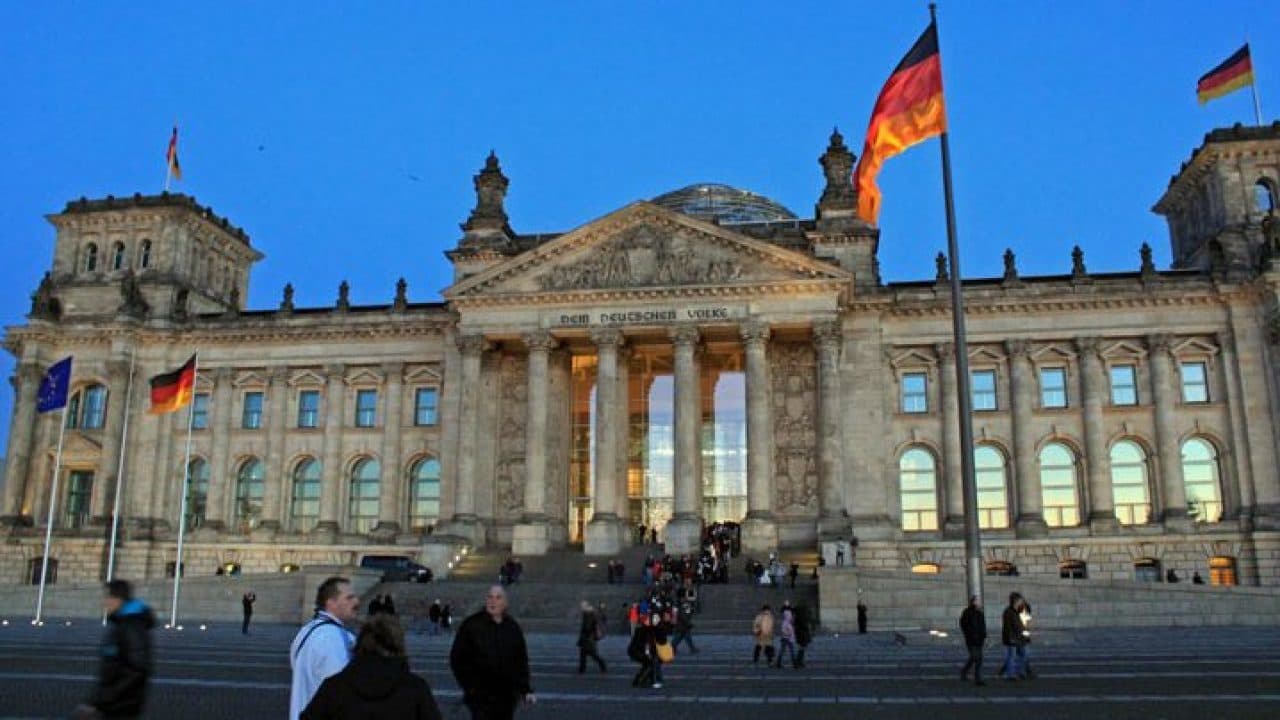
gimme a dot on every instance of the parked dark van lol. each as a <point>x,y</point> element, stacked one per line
<point>397,568</point>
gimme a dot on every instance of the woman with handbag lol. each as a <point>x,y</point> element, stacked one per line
<point>641,650</point>
<point>662,650</point>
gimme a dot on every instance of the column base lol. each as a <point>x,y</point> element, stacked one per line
<point>1266,517</point>
<point>1177,521</point>
<point>873,527</point>
<point>385,532</point>
<point>325,531</point>
<point>467,527</point>
<point>759,535</point>
<point>265,530</point>
<point>1103,524</point>
<point>533,537</point>
<point>953,528</point>
<point>1031,526</point>
<point>834,527</point>
<point>604,535</point>
<point>683,535</point>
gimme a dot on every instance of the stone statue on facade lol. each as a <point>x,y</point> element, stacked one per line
<point>286,302</point>
<point>1078,271</point>
<point>1010,267</point>
<point>180,312</point>
<point>943,274</point>
<point>344,297</point>
<point>401,302</point>
<point>488,222</point>
<point>233,304</point>
<point>132,303</point>
<point>837,167</point>
<point>44,305</point>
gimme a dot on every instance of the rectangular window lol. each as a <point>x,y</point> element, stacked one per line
<point>915,397</point>
<point>424,406</point>
<point>95,408</point>
<point>200,411</point>
<point>1195,383</point>
<point>366,408</point>
<point>1053,387</point>
<point>309,409</point>
<point>1124,385</point>
<point>251,419</point>
<point>983,389</point>
<point>79,492</point>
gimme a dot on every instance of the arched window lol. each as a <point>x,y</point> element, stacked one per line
<point>1222,570</point>
<point>918,482</point>
<point>90,257</point>
<point>87,408</point>
<point>1200,473</point>
<point>424,494</point>
<point>1073,570</point>
<point>144,255</point>
<point>197,492</point>
<point>1058,486</point>
<point>1264,196</point>
<point>993,494</point>
<point>250,487</point>
<point>362,507</point>
<point>117,256</point>
<point>304,510</point>
<point>1129,488</point>
<point>1147,570</point>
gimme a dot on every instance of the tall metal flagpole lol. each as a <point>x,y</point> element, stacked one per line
<point>48,527</point>
<point>182,513</point>
<point>972,540</point>
<point>124,439</point>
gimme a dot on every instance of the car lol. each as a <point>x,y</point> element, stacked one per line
<point>397,568</point>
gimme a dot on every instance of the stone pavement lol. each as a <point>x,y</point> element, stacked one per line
<point>1097,673</point>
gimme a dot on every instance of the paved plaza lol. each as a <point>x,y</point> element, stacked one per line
<point>1101,673</point>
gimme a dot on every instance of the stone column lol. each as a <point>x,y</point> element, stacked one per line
<point>532,535</point>
<point>1029,508</point>
<point>390,507</point>
<point>331,480</point>
<point>105,478</point>
<point>464,522</point>
<point>25,381</point>
<point>684,532</point>
<point>604,534</point>
<point>1173,493</point>
<point>221,481</point>
<point>277,477</point>
<point>828,338</point>
<point>760,529</point>
<point>953,523</point>
<point>623,504</point>
<point>1093,389</point>
<point>1238,499</point>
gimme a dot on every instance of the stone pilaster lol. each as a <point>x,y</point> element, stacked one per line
<point>953,524</point>
<point>221,481</point>
<point>1173,493</point>
<point>390,504</point>
<point>25,381</point>
<point>1241,505</point>
<point>760,529</point>
<point>604,534</point>
<point>532,536</point>
<point>828,338</point>
<point>109,462</point>
<point>465,523</point>
<point>684,531</point>
<point>277,478</point>
<point>623,505</point>
<point>331,480</point>
<point>1093,393</point>
<point>1029,517</point>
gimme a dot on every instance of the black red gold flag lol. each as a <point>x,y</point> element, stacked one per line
<point>173,390</point>
<point>1234,73</point>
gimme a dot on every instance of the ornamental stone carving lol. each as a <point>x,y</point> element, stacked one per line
<point>471,344</point>
<point>754,332</point>
<point>540,340</point>
<point>607,337</point>
<point>513,414</point>
<point>644,256</point>
<point>793,371</point>
<point>684,335</point>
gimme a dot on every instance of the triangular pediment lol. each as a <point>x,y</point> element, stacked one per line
<point>1194,346</point>
<point>644,247</point>
<point>1052,353</point>
<point>912,357</point>
<point>423,374</point>
<point>306,378</point>
<point>364,376</point>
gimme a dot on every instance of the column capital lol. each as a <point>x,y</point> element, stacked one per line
<point>118,367</point>
<point>472,344</point>
<point>28,372</point>
<point>221,375</point>
<point>335,371</point>
<point>827,334</point>
<point>607,337</point>
<point>1225,338</point>
<point>754,333</point>
<point>279,374</point>
<point>1159,344</point>
<point>1017,349</point>
<point>684,335</point>
<point>393,370</point>
<point>539,341</point>
<point>945,351</point>
<point>1087,346</point>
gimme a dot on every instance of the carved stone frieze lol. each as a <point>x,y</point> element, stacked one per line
<point>795,408</point>
<point>510,470</point>
<point>645,256</point>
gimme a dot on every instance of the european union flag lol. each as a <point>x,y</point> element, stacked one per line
<point>54,386</point>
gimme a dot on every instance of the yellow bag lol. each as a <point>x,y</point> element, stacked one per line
<point>665,653</point>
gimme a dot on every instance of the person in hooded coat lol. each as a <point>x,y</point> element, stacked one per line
<point>126,656</point>
<point>376,684</point>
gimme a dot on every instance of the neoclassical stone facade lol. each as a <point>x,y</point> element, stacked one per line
<point>702,357</point>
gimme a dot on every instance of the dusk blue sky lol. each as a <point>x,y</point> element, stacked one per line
<point>343,136</point>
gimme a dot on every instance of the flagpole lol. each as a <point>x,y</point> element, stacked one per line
<point>1257,106</point>
<point>124,438</point>
<point>48,529</point>
<point>972,539</point>
<point>186,476</point>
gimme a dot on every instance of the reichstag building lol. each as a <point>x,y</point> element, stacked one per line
<point>705,356</point>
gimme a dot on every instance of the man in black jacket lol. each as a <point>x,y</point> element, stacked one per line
<point>490,661</point>
<point>126,656</point>
<point>974,626</point>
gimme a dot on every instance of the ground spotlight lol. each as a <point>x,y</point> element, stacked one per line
<point>203,628</point>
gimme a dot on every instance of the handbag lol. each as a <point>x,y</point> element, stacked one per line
<point>665,653</point>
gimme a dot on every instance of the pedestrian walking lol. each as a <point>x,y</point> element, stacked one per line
<point>490,661</point>
<point>684,629</point>
<point>322,647</point>
<point>862,617</point>
<point>840,552</point>
<point>388,605</point>
<point>663,652</point>
<point>1196,579</point>
<point>125,652</point>
<point>433,617</point>
<point>1013,637</point>
<point>641,650</point>
<point>973,625</point>
<point>787,635</point>
<point>590,632</point>
<point>246,602</point>
<point>762,630</point>
<point>446,618</point>
<point>804,632</point>
<point>377,684</point>
<point>793,573</point>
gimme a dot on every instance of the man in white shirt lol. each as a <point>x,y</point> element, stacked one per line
<point>323,646</point>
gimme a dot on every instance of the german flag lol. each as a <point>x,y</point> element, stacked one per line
<point>1228,77</point>
<point>171,156</point>
<point>173,390</point>
<point>909,110</point>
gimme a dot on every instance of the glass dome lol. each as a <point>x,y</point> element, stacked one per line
<point>723,203</point>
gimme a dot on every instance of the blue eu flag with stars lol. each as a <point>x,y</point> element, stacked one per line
<point>54,386</point>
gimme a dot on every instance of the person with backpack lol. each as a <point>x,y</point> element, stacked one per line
<point>322,647</point>
<point>590,632</point>
<point>126,664</point>
<point>804,633</point>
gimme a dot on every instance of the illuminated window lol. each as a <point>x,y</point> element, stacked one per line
<point>1002,568</point>
<point>1073,570</point>
<point>915,393</point>
<point>424,494</point>
<point>1147,570</point>
<point>290,568</point>
<point>918,484</point>
<point>362,505</point>
<point>1058,486</point>
<point>304,507</point>
<point>1129,489</point>
<point>926,568</point>
<point>1124,385</point>
<point>993,496</point>
<point>1222,570</point>
<point>1195,385</point>
<point>1053,387</point>
<point>1200,475</point>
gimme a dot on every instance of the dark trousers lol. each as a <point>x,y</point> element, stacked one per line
<point>491,708</point>
<point>975,662</point>
<point>768,654</point>
<point>799,656</point>
<point>644,676</point>
<point>788,647</point>
<point>244,628</point>
<point>684,637</point>
<point>584,653</point>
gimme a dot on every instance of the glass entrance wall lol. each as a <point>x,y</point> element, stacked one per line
<point>582,416</point>
<point>724,437</point>
<point>651,438</point>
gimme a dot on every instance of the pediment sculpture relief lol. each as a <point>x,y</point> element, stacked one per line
<point>644,257</point>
